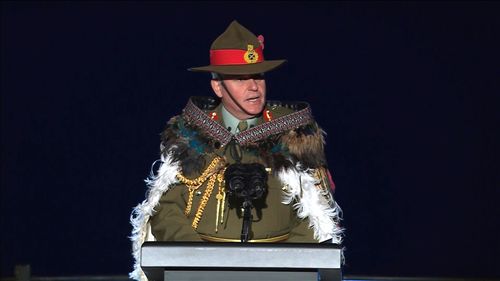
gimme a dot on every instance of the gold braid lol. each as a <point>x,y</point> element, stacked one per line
<point>194,184</point>
<point>204,200</point>
<point>221,199</point>
<point>203,177</point>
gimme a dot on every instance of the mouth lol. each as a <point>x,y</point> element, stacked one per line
<point>253,99</point>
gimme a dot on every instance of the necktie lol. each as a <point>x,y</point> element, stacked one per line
<point>242,126</point>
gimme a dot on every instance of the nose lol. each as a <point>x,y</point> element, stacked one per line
<point>253,84</point>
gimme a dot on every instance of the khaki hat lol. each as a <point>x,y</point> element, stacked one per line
<point>238,51</point>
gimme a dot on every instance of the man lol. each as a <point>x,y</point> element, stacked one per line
<point>239,168</point>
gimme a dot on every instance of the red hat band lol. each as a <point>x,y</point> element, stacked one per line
<point>236,56</point>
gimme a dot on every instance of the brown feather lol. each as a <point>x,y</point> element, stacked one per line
<point>307,145</point>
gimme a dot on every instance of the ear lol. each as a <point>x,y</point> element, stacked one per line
<point>216,87</point>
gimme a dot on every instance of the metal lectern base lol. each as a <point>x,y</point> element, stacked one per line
<point>239,276</point>
<point>251,275</point>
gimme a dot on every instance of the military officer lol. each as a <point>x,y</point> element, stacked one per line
<point>238,134</point>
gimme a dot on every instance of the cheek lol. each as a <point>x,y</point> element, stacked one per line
<point>262,88</point>
<point>239,94</point>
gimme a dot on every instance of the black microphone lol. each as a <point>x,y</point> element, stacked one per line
<point>245,183</point>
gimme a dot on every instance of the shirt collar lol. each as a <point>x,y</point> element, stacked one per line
<point>231,122</point>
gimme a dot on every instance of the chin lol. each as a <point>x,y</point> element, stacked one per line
<point>255,110</point>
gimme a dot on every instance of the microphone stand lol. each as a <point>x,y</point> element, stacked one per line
<point>247,220</point>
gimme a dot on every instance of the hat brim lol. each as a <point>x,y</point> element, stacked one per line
<point>240,69</point>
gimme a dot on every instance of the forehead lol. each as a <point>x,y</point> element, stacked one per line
<point>257,76</point>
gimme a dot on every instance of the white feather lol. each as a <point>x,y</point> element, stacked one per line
<point>323,214</point>
<point>157,185</point>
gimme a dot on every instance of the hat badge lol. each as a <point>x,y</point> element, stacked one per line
<point>251,56</point>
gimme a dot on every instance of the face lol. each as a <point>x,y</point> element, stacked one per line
<point>244,96</point>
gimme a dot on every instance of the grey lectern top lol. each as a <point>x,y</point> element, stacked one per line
<point>200,261</point>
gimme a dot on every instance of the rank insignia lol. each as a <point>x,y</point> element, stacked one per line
<point>268,116</point>
<point>214,116</point>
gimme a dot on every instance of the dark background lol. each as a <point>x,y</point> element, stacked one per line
<point>408,93</point>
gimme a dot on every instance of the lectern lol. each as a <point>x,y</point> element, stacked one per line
<point>199,261</point>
